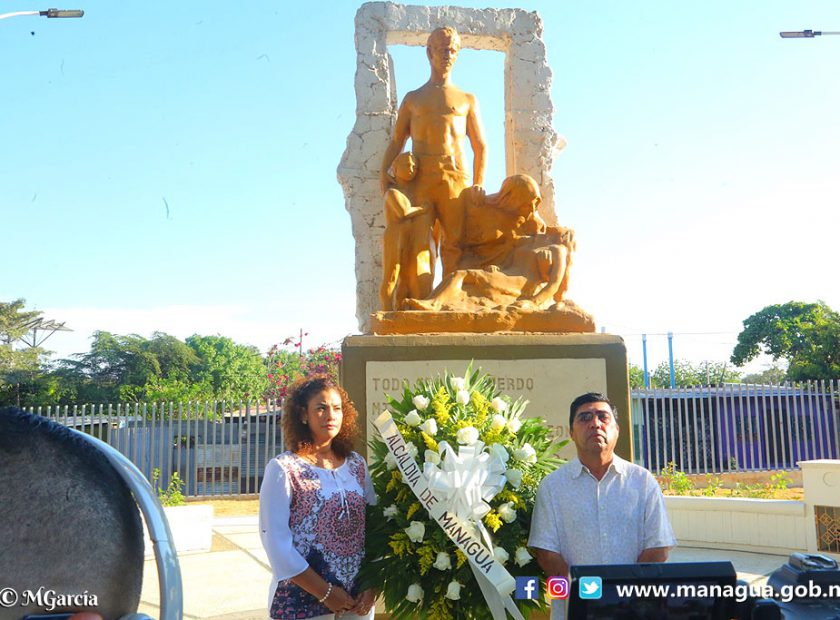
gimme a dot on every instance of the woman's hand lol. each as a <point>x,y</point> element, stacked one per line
<point>339,601</point>
<point>364,602</point>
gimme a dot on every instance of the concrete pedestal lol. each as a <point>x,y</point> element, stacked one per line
<point>549,370</point>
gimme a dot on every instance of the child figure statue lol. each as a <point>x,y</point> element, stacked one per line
<point>407,254</point>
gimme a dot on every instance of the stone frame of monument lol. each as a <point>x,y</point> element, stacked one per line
<point>530,140</point>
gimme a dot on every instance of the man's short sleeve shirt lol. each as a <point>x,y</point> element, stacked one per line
<point>610,521</point>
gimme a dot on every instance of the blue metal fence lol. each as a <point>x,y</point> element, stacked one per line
<point>216,448</point>
<point>736,427</point>
<point>221,449</point>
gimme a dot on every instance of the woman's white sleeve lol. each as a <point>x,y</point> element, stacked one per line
<point>275,500</point>
<point>370,494</point>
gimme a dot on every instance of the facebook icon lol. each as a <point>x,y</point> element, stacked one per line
<point>527,588</point>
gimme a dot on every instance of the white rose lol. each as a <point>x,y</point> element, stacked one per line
<point>526,454</point>
<point>521,557</point>
<point>498,423</point>
<point>429,426</point>
<point>390,512</point>
<point>514,476</point>
<point>500,555</point>
<point>467,435</point>
<point>442,561</point>
<point>430,456</point>
<point>412,450</point>
<point>413,418</point>
<point>453,591</point>
<point>498,450</point>
<point>498,405</point>
<point>462,397</point>
<point>421,402</point>
<point>416,531</point>
<point>514,424</point>
<point>415,593</point>
<point>506,512</point>
<point>390,461</point>
<point>458,383</point>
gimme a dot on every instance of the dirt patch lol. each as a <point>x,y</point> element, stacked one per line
<point>220,543</point>
<point>231,507</point>
<point>796,493</point>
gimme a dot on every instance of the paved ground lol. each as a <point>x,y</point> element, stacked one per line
<point>231,581</point>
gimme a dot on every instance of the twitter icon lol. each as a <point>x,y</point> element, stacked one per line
<point>590,588</point>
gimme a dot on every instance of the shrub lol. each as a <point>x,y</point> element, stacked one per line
<point>674,480</point>
<point>172,495</point>
<point>713,483</point>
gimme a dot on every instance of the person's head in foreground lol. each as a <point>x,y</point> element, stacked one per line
<point>70,524</point>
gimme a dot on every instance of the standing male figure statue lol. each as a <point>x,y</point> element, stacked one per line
<point>437,117</point>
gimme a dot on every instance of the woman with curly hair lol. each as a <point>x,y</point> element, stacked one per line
<point>312,507</point>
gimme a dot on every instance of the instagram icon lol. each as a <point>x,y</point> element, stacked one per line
<point>558,587</point>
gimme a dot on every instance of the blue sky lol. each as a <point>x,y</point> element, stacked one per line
<point>172,167</point>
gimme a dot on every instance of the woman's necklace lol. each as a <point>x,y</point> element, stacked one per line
<point>326,460</point>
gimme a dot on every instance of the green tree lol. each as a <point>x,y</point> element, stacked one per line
<point>231,371</point>
<point>637,377</point>
<point>18,365</point>
<point>687,374</point>
<point>806,335</point>
<point>161,389</point>
<point>118,368</point>
<point>775,374</point>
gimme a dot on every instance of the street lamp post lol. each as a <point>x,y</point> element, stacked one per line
<point>805,34</point>
<point>50,13</point>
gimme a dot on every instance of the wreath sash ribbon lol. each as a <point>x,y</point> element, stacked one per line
<point>466,481</point>
<point>455,497</point>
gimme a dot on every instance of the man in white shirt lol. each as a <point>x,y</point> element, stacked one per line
<point>597,508</point>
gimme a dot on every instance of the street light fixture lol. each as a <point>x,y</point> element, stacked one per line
<point>50,13</point>
<point>62,13</point>
<point>804,34</point>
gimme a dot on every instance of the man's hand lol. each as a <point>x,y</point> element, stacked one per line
<point>654,554</point>
<point>551,562</point>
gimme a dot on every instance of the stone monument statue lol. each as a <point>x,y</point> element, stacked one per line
<point>510,258</point>
<point>498,255</point>
<point>407,254</point>
<point>437,117</point>
<point>449,276</point>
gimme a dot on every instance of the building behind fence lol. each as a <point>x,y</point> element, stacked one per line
<point>736,427</point>
<point>216,448</point>
<point>221,449</point>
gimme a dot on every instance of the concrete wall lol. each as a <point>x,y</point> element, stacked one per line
<point>757,525</point>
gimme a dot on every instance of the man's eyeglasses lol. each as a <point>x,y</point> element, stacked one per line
<point>604,417</point>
